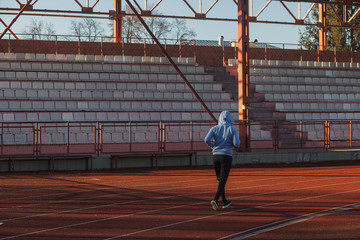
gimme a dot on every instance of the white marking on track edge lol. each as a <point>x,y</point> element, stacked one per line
<point>126,215</point>
<point>287,222</point>
<point>220,214</point>
<point>191,220</point>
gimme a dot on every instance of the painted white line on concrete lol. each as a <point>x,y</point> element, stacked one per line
<point>287,222</point>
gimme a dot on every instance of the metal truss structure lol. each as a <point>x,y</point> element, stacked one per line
<point>148,9</point>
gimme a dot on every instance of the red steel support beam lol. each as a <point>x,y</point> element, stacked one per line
<point>322,30</point>
<point>172,62</point>
<point>117,21</point>
<point>15,18</point>
<point>243,71</point>
<point>9,29</point>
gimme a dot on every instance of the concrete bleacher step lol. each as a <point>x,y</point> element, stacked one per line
<point>94,58</point>
<point>95,116</point>
<point>300,88</point>
<point>341,116</point>
<point>311,97</point>
<point>96,76</point>
<point>95,67</point>
<point>107,85</point>
<point>110,106</point>
<point>125,95</point>
<point>332,71</point>
<point>308,80</point>
<point>228,82</point>
<point>317,106</point>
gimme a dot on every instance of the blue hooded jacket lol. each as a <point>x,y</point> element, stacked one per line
<point>223,137</point>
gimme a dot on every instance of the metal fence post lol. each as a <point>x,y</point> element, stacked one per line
<point>318,53</point>
<point>101,47</point>
<point>195,50</point>
<point>79,51</point>
<point>350,128</point>
<point>67,137</point>
<point>37,139</point>
<point>276,135</point>
<point>327,134</point>
<point>144,47</point>
<point>1,138</point>
<point>265,49</point>
<point>191,136</point>
<point>98,138</point>
<point>301,134</point>
<point>56,43</point>
<point>9,45</point>
<point>123,48</point>
<point>130,137</point>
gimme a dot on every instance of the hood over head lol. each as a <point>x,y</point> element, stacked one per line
<point>226,118</point>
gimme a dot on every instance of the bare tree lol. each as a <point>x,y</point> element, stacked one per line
<point>131,27</point>
<point>87,28</point>
<point>40,30</point>
<point>180,31</point>
<point>160,27</point>
<point>133,30</point>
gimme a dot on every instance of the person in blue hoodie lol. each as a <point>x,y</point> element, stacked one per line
<point>222,138</point>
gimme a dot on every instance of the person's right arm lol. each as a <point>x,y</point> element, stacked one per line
<point>236,139</point>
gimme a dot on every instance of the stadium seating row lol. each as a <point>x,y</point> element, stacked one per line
<point>297,64</point>
<point>108,106</point>
<point>317,106</point>
<point>285,88</point>
<point>304,79</point>
<point>115,76</point>
<point>93,58</point>
<point>125,95</point>
<point>95,67</point>
<point>93,116</point>
<point>106,85</point>
<point>303,96</point>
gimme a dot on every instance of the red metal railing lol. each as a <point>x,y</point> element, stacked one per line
<point>98,138</point>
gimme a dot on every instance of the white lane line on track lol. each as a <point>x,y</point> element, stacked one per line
<point>90,190</point>
<point>116,188</point>
<point>85,184</point>
<point>290,221</point>
<point>156,210</point>
<point>221,214</point>
<point>142,200</point>
<point>179,206</point>
<point>109,188</point>
<point>138,201</point>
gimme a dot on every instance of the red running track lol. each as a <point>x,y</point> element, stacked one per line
<point>321,202</point>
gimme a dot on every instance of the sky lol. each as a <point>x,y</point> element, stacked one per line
<point>205,30</point>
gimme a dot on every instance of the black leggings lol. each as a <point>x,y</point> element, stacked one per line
<point>222,165</point>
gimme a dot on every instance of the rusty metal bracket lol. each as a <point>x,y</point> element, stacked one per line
<point>15,18</point>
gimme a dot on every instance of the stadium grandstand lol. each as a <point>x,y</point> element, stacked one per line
<point>73,105</point>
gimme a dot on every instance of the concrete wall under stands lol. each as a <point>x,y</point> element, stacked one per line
<point>203,160</point>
